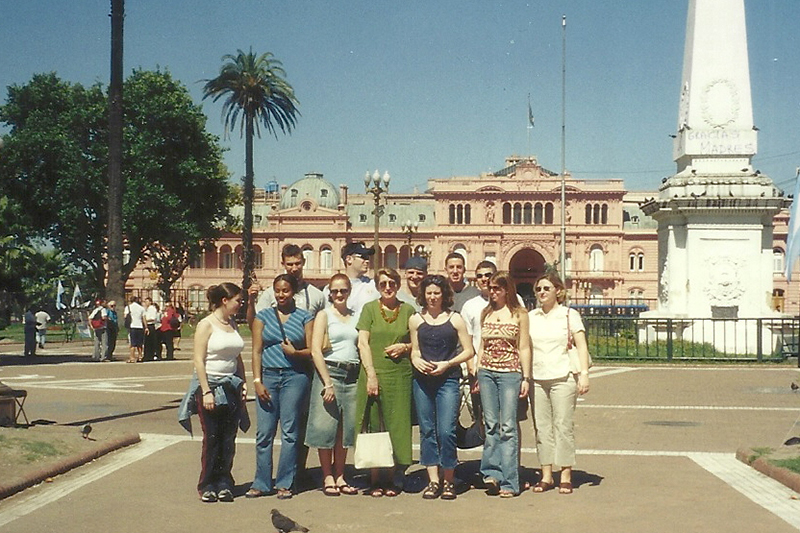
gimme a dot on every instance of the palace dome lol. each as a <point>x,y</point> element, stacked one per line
<point>311,187</point>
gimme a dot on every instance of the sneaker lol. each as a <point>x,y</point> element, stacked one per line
<point>208,496</point>
<point>225,495</point>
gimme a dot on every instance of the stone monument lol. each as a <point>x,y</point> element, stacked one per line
<point>715,214</point>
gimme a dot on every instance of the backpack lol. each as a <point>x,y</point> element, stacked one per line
<point>96,320</point>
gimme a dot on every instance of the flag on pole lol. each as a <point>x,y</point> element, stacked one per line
<point>530,112</point>
<point>59,294</point>
<point>793,234</point>
<point>77,298</point>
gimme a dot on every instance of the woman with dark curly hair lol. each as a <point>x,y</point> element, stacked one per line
<point>436,335</point>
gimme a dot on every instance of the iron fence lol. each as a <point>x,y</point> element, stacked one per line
<point>692,339</point>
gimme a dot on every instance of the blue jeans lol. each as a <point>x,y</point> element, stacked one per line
<point>499,397</point>
<point>437,402</point>
<point>288,390</point>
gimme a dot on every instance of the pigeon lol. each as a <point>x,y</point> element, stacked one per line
<point>792,441</point>
<point>284,524</point>
<point>85,430</point>
<point>794,386</point>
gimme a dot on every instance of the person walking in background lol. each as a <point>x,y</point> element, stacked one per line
<point>134,317</point>
<point>98,321</point>
<point>112,330</point>
<point>42,318</point>
<point>176,334</point>
<point>384,346</point>
<point>218,392</point>
<point>29,321</point>
<point>152,320</point>
<point>166,329</point>
<point>281,373</point>
<point>439,344</point>
<point>558,380</point>
<point>332,414</point>
<point>504,372</point>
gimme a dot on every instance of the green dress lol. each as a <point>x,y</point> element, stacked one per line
<point>394,378</point>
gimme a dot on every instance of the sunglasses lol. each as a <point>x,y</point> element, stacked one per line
<point>384,284</point>
<point>340,291</point>
<point>496,288</point>
<point>478,275</point>
<point>543,289</point>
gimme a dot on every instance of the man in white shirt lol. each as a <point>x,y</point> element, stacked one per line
<point>416,270</point>
<point>355,257</point>
<point>307,297</point>
<point>42,318</point>
<point>135,327</point>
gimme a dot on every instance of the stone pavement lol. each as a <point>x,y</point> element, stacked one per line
<point>656,453</point>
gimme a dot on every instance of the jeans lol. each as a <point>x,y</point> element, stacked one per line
<point>100,344</point>
<point>41,337</point>
<point>219,446</point>
<point>437,402</point>
<point>288,390</point>
<point>499,397</point>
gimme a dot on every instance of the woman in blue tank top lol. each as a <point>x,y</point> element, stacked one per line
<point>436,336</point>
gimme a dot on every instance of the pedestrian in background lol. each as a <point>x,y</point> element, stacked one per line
<point>30,333</point>
<point>112,330</point>
<point>98,322</point>
<point>42,318</point>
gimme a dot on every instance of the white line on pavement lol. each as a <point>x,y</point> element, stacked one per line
<point>690,407</point>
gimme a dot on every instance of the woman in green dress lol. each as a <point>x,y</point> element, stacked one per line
<point>384,346</point>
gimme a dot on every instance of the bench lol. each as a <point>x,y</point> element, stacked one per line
<point>12,405</point>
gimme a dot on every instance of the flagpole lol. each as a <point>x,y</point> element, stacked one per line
<point>563,260</point>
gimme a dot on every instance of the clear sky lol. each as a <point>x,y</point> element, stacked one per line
<point>431,89</point>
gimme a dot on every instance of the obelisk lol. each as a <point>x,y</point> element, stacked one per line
<point>715,214</point>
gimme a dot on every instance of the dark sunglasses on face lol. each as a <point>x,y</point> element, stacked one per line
<point>384,284</point>
<point>543,289</point>
<point>340,291</point>
<point>478,275</point>
<point>495,288</point>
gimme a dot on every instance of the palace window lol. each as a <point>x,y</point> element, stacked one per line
<point>778,261</point>
<point>326,259</point>
<point>308,256</point>
<point>527,218</point>
<point>517,213</point>
<point>636,296</point>
<point>596,257</point>
<point>460,213</point>
<point>636,261</point>
<point>506,213</point>
<point>258,257</point>
<point>225,257</point>
<point>362,217</point>
<point>596,214</point>
<point>548,213</point>
<point>538,214</point>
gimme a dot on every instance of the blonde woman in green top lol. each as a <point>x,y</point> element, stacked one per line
<point>384,347</point>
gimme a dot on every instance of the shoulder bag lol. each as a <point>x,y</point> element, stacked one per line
<point>572,351</point>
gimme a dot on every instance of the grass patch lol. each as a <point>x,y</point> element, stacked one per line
<point>791,463</point>
<point>30,450</point>
<point>759,452</point>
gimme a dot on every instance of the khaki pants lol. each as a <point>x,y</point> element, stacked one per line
<point>554,410</point>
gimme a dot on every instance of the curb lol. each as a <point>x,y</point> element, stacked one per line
<point>781,475</point>
<point>67,464</point>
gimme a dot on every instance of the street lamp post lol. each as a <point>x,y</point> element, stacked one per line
<point>410,229</point>
<point>377,186</point>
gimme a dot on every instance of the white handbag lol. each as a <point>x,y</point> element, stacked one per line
<point>572,351</point>
<point>373,450</point>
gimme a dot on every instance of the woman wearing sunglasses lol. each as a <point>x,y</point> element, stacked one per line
<point>384,346</point>
<point>504,369</point>
<point>554,329</point>
<point>331,417</point>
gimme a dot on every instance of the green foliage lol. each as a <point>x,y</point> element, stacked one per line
<point>54,165</point>
<point>791,463</point>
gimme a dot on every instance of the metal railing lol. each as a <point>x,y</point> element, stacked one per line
<point>692,339</point>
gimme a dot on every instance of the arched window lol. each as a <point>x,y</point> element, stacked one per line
<point>518,213</point>
<point>326,259</point>
<point>596,214</point>
<point>596,258</point>
<point>778,262</point>
<point>548,213</point>
<point>452,210</point>
<point>308,256</point>
<point>225,257</point>
<point>604,214</point>
<point>459,214</point>
<point>506,213</point>
<point>210,258</point>
<point>258,256</point>
<point>527,218</point>
<point>538,214</point>
<point>467,214</point>
<point>588,213</point>
<point>640,261</point>
<point>362,217</point>
<point>197,261</point>
<point>632,262</point>
<point>390,257</point>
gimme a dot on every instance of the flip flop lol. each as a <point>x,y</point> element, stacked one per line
<point>347,489</point>
<point>543,486</point>
<point>375,492</point>
<point>330,490</point>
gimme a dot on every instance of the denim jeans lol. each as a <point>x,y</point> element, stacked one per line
<point>437,403</point>
<point>219,446</point>
<point>288,390</point>
<point>499,397</point>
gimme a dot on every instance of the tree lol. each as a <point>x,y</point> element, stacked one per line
<point>55,161</point>
<point>116,185</point>
<point>255,89</point>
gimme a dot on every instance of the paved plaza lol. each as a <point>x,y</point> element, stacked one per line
<point>656,453</point>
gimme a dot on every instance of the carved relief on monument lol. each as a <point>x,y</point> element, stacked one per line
<point>720,103</point>
<point>724,286</point>
<point>683,108</point>
<point>663,282</point>
<point>489,208</point>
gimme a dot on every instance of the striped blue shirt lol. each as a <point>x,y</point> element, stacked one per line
<point>272,355</point>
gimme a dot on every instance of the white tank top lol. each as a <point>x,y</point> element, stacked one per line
<point>222,350</point>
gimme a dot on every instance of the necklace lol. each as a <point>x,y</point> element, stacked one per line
<point>227,323</point>
<point>394,316</point>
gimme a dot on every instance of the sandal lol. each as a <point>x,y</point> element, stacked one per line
<point>391,491</point>
<point>330,490</point>
<point>448,491</point>
<point>565,487</point>
<point>375,492</point>
<point>506,494</point>
<point>543,486</point>
<point>432,491</point>
<point>255,493</point>
<point>285,494</point>
<point>347,489</point>
<point>492,487</point>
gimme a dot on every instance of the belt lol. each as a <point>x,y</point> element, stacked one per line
<point>343,366</point>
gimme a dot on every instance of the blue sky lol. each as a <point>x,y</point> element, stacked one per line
<point>432,89</point>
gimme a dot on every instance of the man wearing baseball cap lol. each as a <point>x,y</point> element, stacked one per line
<point>356,259</point>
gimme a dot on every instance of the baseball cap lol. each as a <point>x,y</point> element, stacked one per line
<point>356,248</point>
<point>416,263</point>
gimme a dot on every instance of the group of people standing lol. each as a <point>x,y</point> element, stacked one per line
<point>151,330</point>
<point>365,352</point>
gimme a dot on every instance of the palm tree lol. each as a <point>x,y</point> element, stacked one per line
<point>256,93</point>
